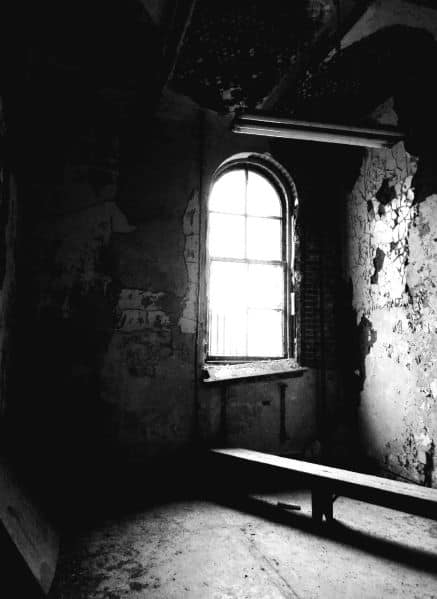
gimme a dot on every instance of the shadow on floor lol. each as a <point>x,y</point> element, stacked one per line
<point>336,531</point>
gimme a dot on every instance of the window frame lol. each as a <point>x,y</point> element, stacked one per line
<point>278,177</point>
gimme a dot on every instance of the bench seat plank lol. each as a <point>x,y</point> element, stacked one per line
<point>366,487</point>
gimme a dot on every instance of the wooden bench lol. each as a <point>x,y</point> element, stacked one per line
<point>327,483</point>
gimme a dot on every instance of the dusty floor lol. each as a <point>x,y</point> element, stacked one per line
<point>201,550</point>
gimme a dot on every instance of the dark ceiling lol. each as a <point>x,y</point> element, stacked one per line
<point>106,62</point>
<point>247,55</point>
<point>236,52</point>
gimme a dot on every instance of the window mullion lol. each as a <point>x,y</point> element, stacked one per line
<point>248,261</point>
<point>246,171</point>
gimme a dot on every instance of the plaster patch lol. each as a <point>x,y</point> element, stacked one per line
<point>398,295</point>
<point>191,225</point>
<point>76,244</point>
<point>380,216</point>
<point>131,299</point>
<point>138,310</point>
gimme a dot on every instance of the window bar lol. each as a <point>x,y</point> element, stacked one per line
<point>217,332</point>
<point>224,333</point>
<point>211,330</point>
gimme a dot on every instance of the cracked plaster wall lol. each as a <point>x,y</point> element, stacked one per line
<point>253,409</point>
<point>161,276</point>
<point>109,302</point>
<point>392,235</point>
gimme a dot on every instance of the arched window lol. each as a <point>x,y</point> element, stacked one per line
<point>249,261</point>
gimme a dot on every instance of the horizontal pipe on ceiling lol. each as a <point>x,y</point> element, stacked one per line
<point>269,126</point>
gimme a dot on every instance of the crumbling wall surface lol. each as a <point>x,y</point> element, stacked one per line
<point>109,299</point>
<point>108,278</point>
<point>392,267</point>
<point>148,372</point>
<point>71,107</point>
<point>66,302</point>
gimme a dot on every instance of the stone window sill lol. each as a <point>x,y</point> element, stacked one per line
<point>256,370</point>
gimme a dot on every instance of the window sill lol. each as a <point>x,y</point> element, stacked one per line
<point>262,369</point>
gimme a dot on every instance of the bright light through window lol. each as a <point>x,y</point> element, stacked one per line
<point>247,267</point>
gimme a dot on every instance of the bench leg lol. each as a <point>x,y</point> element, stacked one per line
<point>322,500</point>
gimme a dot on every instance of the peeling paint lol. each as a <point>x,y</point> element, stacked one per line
<point>393,268</point>
<point>188,320</point>
<point>75,247</point>
<point>378,237</point>
<point>138,310</point>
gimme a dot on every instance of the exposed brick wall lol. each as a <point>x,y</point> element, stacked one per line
<point>310,299</point>
<point>320,269</point>
<point>319,230</point>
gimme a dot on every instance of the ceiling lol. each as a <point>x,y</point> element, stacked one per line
<point>107,61</point>
<point>236,53</point>
<point>283,57</point>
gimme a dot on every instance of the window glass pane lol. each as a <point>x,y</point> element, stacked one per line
<point>226,236</point>
<point>227,309</point>
<point>266,286</point>
<point>265,333</point>
<point>228,333</point>
<point>245,301</point>
<point>262,198</point>
<point>228,193</point>
<point>264,239</point>
<point>228,285</point>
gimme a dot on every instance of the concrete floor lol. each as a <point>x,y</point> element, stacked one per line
<point>203,550</point>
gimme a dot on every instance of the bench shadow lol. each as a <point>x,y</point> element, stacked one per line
<point>415,557</point>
